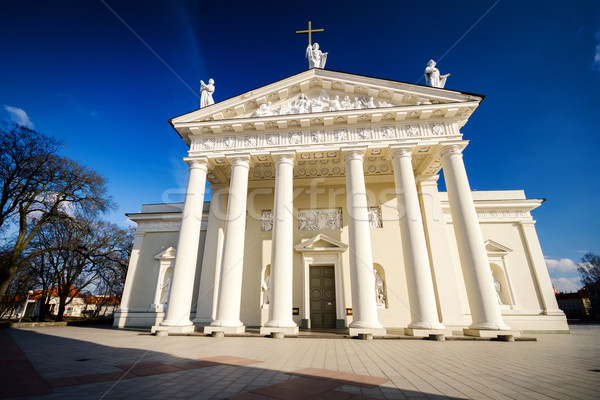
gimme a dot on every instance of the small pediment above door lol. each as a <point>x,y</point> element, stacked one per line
<point>166,254</point>
<point>495,248</point>
<point>321,243</point>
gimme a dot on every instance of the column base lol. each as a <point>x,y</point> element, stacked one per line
<point>374,331</point>
<point>485,333</point>
<point>426,326</point>
<point>290,331</point>
<point>162,330</point>
<point>225,329</point>
<point>427,332</point>
<point>488,326</point>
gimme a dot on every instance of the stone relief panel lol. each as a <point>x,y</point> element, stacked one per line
<point>375,220</point>
<point>323,102</point>
<point>438,129</point>
<point>229,142</point>
<point>324,136</point>
<point>322,219</point>
<point>317,137</point>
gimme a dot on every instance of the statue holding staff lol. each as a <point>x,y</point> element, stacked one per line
<point>316,57</point>
<point>206,93</point>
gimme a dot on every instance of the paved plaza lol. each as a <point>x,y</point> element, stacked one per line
<point>104,363</point>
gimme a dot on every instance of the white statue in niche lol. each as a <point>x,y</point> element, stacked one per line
<point>375,218</point>
<point>379,296</point>
<point>433,77</point>
<point>498,288</point>
<point>206,93</point>
<point>165,288</point>
<point>266,286</point>
<point>317,57</point>
<point>266,221</point>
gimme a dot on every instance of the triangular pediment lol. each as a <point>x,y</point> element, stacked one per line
<point>316,96</point>
<point>166,254</point>
<point>493,247</point>
<point>321,242</point>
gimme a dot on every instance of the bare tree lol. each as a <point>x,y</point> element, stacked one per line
<point>589,271</point>
<point>39,186</point>
<point>80,253</point>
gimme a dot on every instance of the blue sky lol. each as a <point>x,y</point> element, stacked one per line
<point>105,76</point>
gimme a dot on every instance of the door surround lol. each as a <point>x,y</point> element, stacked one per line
<point>318,251</point>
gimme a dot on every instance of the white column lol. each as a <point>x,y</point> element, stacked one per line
<point>229,297</point>
<point>120,319</point>
<point>282,256</point>
<point>423,310</point>
<point>211,260</point>
<point>364,307</point>
<point>445,283</point>
<point>182,284</point>
<point>540,271</point>
<point>485,310</point>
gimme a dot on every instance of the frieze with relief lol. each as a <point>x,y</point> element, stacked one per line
<point>320,219</point>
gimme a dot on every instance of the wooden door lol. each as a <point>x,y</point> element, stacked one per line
<point>322,297</point>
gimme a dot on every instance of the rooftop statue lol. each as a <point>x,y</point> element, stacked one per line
<point>316,57</point>
<point>433,77</point>
<point>206,93</point>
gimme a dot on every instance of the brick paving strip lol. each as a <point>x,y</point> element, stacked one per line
<point>146,369</point>
<point>314,383</point>
<point>17,376</point>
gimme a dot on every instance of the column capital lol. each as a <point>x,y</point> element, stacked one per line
<point>214,187</point>
<point>196,162</point>
<point>427,180</point>
<point>356,153</point>
<point>451,149</point>
<point>401,151</point>
<point>288,157</point>
<point>239,160</point>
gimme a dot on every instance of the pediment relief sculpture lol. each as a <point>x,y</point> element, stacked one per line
<point>304,104</point>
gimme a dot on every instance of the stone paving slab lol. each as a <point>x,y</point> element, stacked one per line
<point>94,363</point>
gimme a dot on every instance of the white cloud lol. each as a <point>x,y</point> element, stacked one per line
<point>562,265</point>
<point>19,116</point>
<point>567,284</point>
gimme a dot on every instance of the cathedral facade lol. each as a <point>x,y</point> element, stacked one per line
<point>325,213</point>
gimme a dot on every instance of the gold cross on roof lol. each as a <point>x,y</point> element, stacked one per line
<point>310,31</point>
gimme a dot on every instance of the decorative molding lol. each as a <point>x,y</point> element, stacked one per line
<point>320,219</point>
